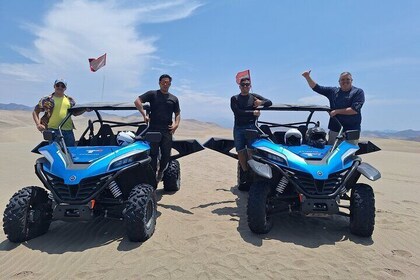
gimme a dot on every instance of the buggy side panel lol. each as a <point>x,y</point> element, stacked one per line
<point>367,147</point>
<point>221,145</point>
<point>185,147</point>
<point>40,145</point>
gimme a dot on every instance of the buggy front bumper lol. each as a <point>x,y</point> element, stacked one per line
<point>319,206</point>
<point>67,212</point>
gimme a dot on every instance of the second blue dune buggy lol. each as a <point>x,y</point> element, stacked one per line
<point>295,170</point>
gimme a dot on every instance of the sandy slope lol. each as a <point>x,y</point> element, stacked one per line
<point>202,231</point>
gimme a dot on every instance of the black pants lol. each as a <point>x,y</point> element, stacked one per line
<point>165,146</point>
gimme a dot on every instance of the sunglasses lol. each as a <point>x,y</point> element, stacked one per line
<point>341,80</point>
<point>245,85</point>
<point>60,85</point>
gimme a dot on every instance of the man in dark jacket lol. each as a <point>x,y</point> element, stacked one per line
<point>163,105</point>
<point>244,109</point>
<point>346,103</point>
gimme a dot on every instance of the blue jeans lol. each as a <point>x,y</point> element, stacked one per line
<point>68,136</point>
<point>239,136</point>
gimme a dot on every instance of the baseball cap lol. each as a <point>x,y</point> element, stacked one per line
<point>60,81</point>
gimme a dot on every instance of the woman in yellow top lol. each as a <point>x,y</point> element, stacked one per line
<point>55,107</point>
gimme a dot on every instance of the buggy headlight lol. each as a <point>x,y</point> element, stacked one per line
<point>276,158</point>
<point>272,155</point>
<point>126,159</point>
<point>348,153</point>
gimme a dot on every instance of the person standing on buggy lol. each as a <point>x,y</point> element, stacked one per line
<point>245,113</point>
<point>55,107</point>
<point>163,105</point>
<point>346,103</point>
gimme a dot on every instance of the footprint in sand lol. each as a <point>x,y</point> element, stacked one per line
<point>395,272</point>
<point>402,253</point>
<point>410,202</point>
<point>23,274</point>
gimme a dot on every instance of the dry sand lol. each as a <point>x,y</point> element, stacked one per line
<point>202,231</point>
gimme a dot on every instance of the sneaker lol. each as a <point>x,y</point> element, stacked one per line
<point>159,176</point>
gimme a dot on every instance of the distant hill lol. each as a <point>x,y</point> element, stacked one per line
<point>409,134</point>
<point>14,106</point>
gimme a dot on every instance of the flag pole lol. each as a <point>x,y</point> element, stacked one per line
<point>103,86</point>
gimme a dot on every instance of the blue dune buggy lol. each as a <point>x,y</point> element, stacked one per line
<point>106,174</point>
<point>295,170</point>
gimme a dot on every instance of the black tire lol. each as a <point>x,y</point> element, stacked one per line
<point>140,213</point>
<point>362,210</point>
<point>172,177</point>
<point>28,214</point>
<point>258,219</point>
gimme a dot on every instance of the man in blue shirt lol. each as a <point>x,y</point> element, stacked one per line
<point>346,103</point>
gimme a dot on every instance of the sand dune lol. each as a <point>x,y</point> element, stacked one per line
<point>202,231</point>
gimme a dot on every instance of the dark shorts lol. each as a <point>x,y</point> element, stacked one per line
<point>239,136</point>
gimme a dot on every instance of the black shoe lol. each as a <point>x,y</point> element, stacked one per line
<point>244,186</point>
<point>243,176</point>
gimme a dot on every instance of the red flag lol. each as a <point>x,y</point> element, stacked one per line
<point>97,63</point>
<point>243,74</point>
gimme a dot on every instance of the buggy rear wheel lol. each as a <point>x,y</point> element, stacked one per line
<point>172,177</point>
<point>140,213</point>
<point>28,214</point>
<point>362,210</point>
<point>258,219</point>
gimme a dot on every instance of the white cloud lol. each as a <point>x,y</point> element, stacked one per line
<point>73,31</point>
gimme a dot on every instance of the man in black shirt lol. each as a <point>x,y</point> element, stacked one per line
<point>162,105</point>
<point>244,107</point>
<point>346,103</point>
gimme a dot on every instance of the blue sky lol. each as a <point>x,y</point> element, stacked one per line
<point>202,44</point>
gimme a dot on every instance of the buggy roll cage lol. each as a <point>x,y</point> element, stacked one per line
<point>183,147</point>
<point>96,107</point>
<point>295,108</point>
<point>225,146</point>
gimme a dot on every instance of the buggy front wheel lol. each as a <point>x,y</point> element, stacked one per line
<point>140,213</point>
<point>258,219</point>
<point>28,214</point>
<point>362,210</point>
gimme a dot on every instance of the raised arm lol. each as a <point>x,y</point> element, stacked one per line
<point>307,76</point>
